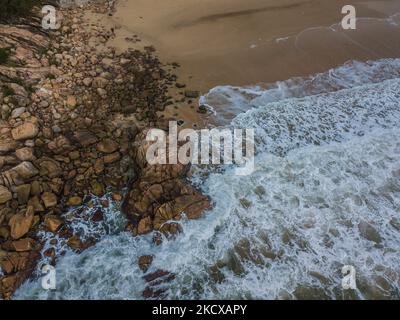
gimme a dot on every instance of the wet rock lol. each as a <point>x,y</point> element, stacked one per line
<point>304,292</point>
<point>157,238</point>
<point>97,188</point>
<point>23,264</point>
<point>145,226</point>
<point>145,262</point>
<point>98,216</point>
<point>159,274</point>
<point>156,280</point>
<point>7,285</point>
<point>171,229</point>
<point>160,195</point>
<point>368,232</point>
<point>116,196</point>
<point>75,243</point>
<point>53,223</point>
<point>50,253</point>
<point>74,201</point>
<point>395,223</point>
<point>202,109</point>
<point>192,206</point>
<point>22,245</point>
<point>49,199</point>
<point>153,293</point>
<point>25,131</point>
<point>21,223</point>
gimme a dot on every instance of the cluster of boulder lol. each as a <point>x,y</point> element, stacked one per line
<point>72,121</point>
<point>160,196</point>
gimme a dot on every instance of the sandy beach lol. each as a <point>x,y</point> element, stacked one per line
<point>233,42</point>
<point>245,42</point>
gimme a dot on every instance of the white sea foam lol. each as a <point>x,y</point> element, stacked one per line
<point>321,119</point>
<point>228,101</point>
<point>294,223</point>
<point>328,159</point>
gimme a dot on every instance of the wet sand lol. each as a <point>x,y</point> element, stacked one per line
<point>236,42</point>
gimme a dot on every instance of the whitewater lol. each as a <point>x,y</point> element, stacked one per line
<point>327,164</point>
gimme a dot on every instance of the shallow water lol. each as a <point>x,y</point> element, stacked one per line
<point>328,161</point>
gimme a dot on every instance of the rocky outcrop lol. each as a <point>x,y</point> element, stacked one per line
<point>65,130</point>
<point>17,267</point>
<point>69,115</point>
<point>160,196</point>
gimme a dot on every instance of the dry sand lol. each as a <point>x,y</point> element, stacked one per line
<point>243,42</point>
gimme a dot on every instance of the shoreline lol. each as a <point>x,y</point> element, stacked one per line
<point>236,43</point>
<point>94,84</point>
<point>256,42</point>
<point>72,108</point>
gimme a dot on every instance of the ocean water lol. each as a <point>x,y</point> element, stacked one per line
<point>229,101</point>
<point>327,162</point>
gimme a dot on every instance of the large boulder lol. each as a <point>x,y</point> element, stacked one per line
<point>26,170</point>
<point>49,199</point>
<point>53,223</point>
<point>19,174</point>
<point>25,154</point>
<point>160,194</point>
<point>27,130</point>
<point>192,206</point>
<point>49,167</point>
<point>21,223</point>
